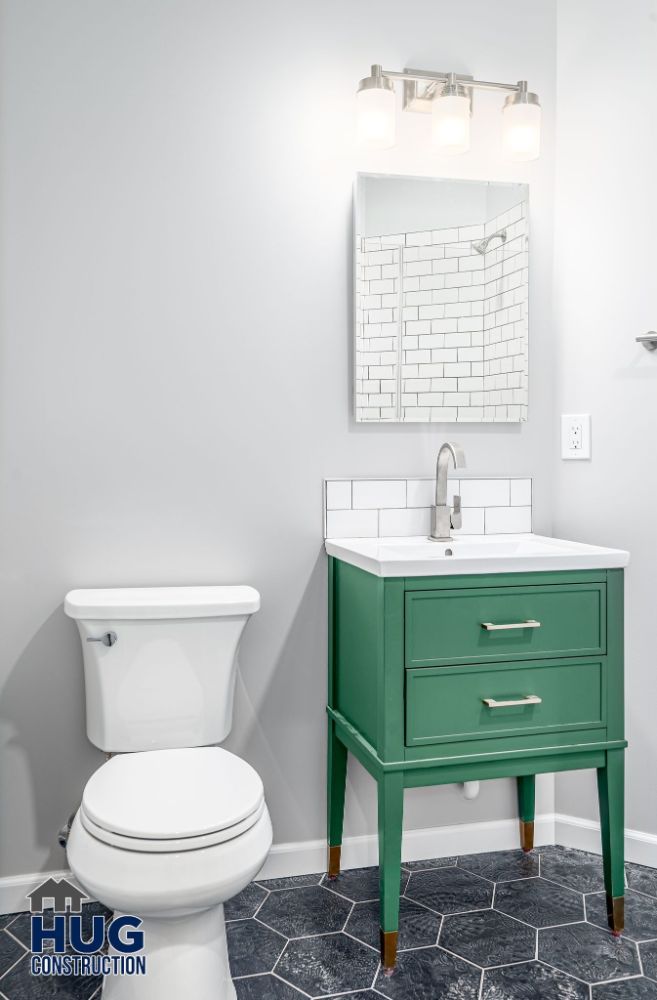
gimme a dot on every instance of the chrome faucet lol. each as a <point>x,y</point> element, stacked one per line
<point>442,517</point>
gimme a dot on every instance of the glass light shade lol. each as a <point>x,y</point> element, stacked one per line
<point>521,131</point>
<point>375,118</point>
<point>450,123</point>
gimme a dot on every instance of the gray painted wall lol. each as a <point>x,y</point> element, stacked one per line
<point>175,263</point>
<point>605,279</point>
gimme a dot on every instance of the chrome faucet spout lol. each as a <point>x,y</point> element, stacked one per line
<point>450,448</point>
<point>442,517</point>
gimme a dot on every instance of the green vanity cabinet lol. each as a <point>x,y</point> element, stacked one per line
<point>442,679</point>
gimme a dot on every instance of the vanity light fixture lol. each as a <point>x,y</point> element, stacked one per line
<point>450,118</point>
<point>447,97</point>
<point>375,122</point>
<point>521,124</point>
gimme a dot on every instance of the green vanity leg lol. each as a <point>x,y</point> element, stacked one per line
<point>337,782</point>
<point>611,795</point>
<point>526,805</point>
<point>391,811</point>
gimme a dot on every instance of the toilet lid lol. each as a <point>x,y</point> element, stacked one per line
<point>167,795</point>
<point>170,846</point>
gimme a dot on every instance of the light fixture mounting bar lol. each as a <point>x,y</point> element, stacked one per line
<point>420,86</point>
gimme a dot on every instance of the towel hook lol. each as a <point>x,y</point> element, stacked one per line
<point>649,341</point>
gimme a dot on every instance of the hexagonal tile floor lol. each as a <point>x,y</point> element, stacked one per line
<point>494,926</point>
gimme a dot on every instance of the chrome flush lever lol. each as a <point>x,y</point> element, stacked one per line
<point>108,639</point>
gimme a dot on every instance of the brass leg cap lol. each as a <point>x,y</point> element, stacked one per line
<point>388,950</point>
<point>616,913</point>
<point>333,864</point>
<point>527,835</point>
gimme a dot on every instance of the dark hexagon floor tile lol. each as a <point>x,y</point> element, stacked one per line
<point>423,866</point>
<point>575,869</point>
<point>428,973</point>
<point>246,903</point>
<point>10,951</point>
<point>331,963</point>
<point>539,903</point>
<point>450,890</point>
<point>628,989</point>
<point>588,952</point>
<point>301,912</point>
<point>531,981</point>
<point>359,884</point>
<point>291,882</point>
<point>641,879</point>
<point>361,995</point>
<point>418,927</point>
<point>488,938</point>
<point>265,988</point>
<point>7,918</point>
<point>500,866</point>
<point>20,984</point>
<point>252,947</point>
<point>648,953</point>
<point>640,914</point>
<point>559,850</point>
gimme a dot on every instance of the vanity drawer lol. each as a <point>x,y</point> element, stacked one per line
<point>445,704</point>
<point>504,623</point>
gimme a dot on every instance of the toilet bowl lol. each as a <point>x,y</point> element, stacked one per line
<point>168,836</point>
<point>172,825</point>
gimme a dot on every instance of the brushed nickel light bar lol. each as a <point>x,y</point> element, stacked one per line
<point>447,97</point>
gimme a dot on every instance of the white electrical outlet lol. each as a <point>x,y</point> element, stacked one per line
<point>576,435</point>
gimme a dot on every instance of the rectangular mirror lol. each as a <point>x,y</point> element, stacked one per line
<point>441,298</point>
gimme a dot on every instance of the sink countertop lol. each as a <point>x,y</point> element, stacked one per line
<point>418,556</point>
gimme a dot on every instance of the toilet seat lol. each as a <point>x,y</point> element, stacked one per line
<point>172,800</point>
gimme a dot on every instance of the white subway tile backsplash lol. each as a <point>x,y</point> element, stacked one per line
<point>411,521</point>
<point>521,492</point>
<point>379,493</point>
<point>338,494</point>
<point>485,492</point>
<point>388,507</point>
<point>420,492</point>
<point>352,523</point>
<point>508,520</point>
<point>473,521</point>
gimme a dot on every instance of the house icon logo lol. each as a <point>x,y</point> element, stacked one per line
<point>66,942</point>
<point>58,894</point>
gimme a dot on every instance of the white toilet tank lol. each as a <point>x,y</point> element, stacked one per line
<point>159,663</point>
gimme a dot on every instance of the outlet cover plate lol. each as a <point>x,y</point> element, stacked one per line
<point>576,436</point>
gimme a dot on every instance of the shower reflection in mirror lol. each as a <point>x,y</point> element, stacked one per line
<point>441,300</point>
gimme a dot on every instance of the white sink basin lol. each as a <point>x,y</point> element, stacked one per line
<point>418,556</point>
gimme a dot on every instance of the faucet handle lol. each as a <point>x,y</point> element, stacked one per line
<point>456,517</point>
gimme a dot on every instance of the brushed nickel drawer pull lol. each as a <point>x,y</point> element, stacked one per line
<point>492,627</point>
<point>530,699</point>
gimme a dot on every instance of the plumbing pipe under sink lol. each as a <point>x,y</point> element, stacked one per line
<point>470,789</point>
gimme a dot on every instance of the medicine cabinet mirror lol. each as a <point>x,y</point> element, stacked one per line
<point>441,300</point>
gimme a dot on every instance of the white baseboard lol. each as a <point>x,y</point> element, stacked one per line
<point>437,842</point>
<point>307,857</point>
<point>15,888</point>
<point>573,831</point>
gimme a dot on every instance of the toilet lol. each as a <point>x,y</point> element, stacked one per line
<point>172,825</point>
